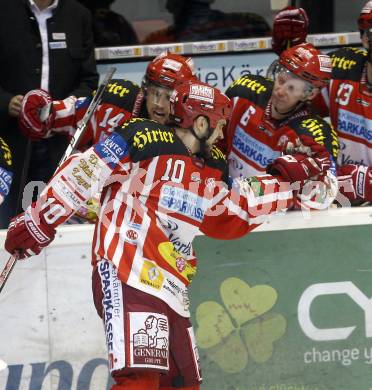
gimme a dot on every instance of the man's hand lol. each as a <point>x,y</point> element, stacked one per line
<point>15,105</point>
<point>28,234</point>
<point>355,182</point>
<point>289,28</point>
<point>37,115</point>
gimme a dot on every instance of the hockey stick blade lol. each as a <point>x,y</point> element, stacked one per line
<point>73,143</point>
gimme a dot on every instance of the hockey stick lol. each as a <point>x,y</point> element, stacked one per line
<point>7,270</point>
<point>87,116</point>
<point>71,147</point>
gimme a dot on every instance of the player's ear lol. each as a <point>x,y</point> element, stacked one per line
<point>201,126</point>
<point>311,95</point>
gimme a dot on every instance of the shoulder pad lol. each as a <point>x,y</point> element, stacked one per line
<point>321,131</point>
<point>251,87</point>
<point>348,63</point>
<point>147,138</point>
<point>121,93</point>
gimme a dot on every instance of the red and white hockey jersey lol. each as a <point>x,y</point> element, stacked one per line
<point>254,139</point>
<point>156,198</point>
<point>121,100</point>
<point>349,102</point>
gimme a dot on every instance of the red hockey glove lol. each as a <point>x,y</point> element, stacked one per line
<point>37,114</point>
<point>355,182</point>
<point>307,159</point>
<point>299,167</point>
<point>28,234</point>
<point>289,28</point>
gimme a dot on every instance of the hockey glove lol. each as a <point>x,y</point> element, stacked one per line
<point>289,28</point>
<point>299,167</point>
<point>355,182</point>
<point>28,234</point>
<point>37,114</point>
<point>307,160</point>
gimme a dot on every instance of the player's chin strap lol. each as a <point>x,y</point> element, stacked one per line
<point>292,110</point>
<point>202,140</point>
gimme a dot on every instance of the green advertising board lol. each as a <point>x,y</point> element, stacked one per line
<point>285,310</point>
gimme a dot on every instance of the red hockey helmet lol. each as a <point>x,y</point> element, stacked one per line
<point>193,99</point>
<point>167,69</point>
<point>365,17</point>
<point>308,63</point>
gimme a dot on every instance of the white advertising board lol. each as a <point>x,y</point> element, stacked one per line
<point>217,70</point>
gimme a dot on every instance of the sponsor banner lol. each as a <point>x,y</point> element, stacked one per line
<point>217,70</point>
<point>252,149</point>
<point>155,50</point>
<point>178,200</point>
<point>355,125</point>
<point>202,47</point>
<point>250,44</point>
<point>281,307</point>
<point>112,303</point>
<point>149,340</point>
<point>352,153</point>
<point>112,150</point>
<point>5,181</point>
<point>122,52</point>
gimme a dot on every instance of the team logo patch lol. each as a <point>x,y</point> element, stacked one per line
<point>131,235</point>
<point>184,202</point>
<point>151,275</point>
<point>202,92</point>
<point>149,340</point>
<point>5,181</point>
<point>325,63</point>
<point>176,260</point>
<point>112,150</point>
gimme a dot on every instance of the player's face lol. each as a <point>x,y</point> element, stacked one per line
<point>217,134</point>
<point>288,91</point>
<point>157,103</point>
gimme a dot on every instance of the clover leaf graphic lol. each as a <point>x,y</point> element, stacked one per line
<point>241,329</point>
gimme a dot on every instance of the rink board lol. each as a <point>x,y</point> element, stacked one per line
<point>262,303</point>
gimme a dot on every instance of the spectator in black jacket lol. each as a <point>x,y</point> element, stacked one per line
<point>43,44</point>
<point>195,20</point>
<point>109,27</point>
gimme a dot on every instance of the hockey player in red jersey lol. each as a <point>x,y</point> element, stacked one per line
<point>269,113</point>
<point>156,178</point>
<point>121,101</point>
<point>348,102</point>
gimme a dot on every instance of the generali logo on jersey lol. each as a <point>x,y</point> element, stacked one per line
<point>202,92</point>
<point>149,340</point>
